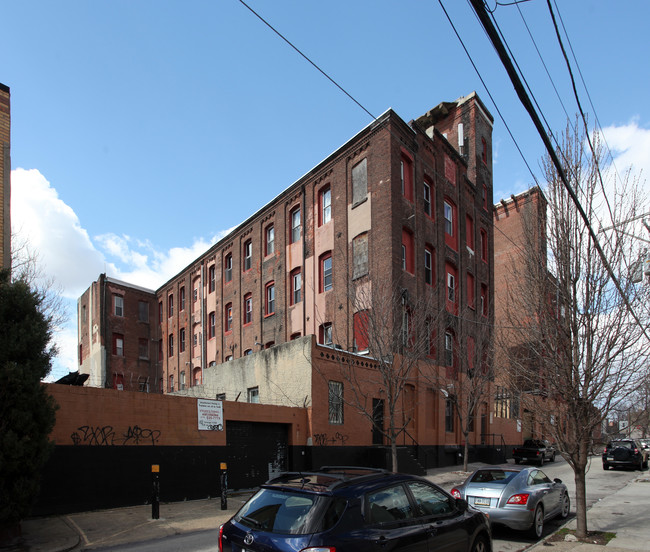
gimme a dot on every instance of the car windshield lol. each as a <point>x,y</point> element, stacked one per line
<point>626,444</point>
<point>279,511</point>
<point>502,477</point>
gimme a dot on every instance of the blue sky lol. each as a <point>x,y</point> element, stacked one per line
<point>144,130</point>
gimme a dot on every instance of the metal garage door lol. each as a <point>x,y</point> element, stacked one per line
<point>255,452</point>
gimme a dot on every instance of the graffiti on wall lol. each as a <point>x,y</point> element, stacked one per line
<point>107,436</point>
<point>324,439</point>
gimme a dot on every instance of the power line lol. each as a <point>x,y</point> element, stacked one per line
<point>306,58</point>
<point>479,8</point>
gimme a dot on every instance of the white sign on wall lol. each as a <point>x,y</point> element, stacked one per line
<point>210,414</point>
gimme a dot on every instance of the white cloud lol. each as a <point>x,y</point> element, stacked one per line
<point>630,147</point>
<point>52,229</point>
<point>67,254</point>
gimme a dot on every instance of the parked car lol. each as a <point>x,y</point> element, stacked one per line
<point>351,508</point>
<point>534,450</point>
<point>627,453</point>
<point>520,497</point>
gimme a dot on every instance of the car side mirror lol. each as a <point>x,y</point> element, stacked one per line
<point>461,504</point>
<point>557,480</point>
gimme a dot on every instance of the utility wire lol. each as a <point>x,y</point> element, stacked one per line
<point>584,120</point>
<point>471,60</point>
<point>306,58</point>
<point>480,10</point>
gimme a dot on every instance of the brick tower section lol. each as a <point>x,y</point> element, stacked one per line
<point>5,177</point>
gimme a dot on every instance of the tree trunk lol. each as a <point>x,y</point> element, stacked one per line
<point>466,454</point>
<point>393,452</point>
<point>581,503</point>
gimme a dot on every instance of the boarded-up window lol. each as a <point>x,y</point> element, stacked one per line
<point>360,256</point>
<point>359,182</point>
<point>361,321</point>
<point>450,170</point>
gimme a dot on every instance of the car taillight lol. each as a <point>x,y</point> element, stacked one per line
<point>319,549</point>
<point>455,493</point>
<point>219,542</point>
<point>519,499</point>
<point>636,451</point>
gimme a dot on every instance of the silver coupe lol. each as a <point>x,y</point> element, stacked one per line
<point>519,497</point>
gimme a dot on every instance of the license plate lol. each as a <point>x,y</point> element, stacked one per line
<point>482,501</point>
<point>610,458</point>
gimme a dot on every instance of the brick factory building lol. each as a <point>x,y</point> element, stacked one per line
<point>407,205</point>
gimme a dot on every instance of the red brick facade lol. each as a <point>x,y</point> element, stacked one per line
<point>218,316</point>
<point>118,336</point>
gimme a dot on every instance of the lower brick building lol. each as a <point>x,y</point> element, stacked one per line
<point>118,336</point>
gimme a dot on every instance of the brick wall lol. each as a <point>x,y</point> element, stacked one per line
<point>97,417</point>
<point>5,177</point>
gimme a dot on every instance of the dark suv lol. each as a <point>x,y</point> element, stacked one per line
<point>626,453</point>
<point>352,508</point>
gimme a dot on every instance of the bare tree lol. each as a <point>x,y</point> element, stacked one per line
<point>396,330</point>
<point>573,347</point>
<point>466,376</point>
<point>26,267</point>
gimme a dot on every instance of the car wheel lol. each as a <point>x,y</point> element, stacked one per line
<point>517,460</point>
<point>553,457</point>
<point>640,464</point>
<point>645,464</point>
<point>566,506</point>
<point>605,466</point>
<point>480,544</point>
<point>537,529</point>
<point>541,460</point>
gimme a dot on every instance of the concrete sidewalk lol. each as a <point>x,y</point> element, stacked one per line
<point>625,512</point>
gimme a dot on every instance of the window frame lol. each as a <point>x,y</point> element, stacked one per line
<point>143,348</point>
<point>170,345</point>
<point>118,344</point>
<point>253,395</point>
<point>429,273</point>
<point>248,309</point>
<point>181,340</point>
<point>296,225</point>
<point>248,255</point>
<point>324,205</point>
<point>408,251</point>
<point>227,268</point>
<point>451,221</point>
<point>485,307</point>
<point>335,402</point>
<point>326,270</point>
<point>170,305</point>
<point>295,283</point>
<point>269,298</point>
<point>324,332</point>
<point>212,278</point>
<point>426,197</point>
<point>227,319</point>
<point>269,240</point>
<point>118,303</point>
<point>406,175</point>
<point>212,325</point>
